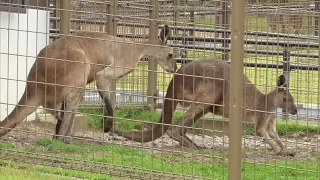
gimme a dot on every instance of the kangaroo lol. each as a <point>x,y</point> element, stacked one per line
<point>204,86</point>
<point>64,67</point>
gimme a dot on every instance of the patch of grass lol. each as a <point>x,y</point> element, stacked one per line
<point>214,165</point>
<point>5,145</point>
<point>281,170</point>
<point>288,128</point>
<point>128,119</point>
<point>292,127</point>
<point>13,170</point>
<point>136,119</point>
<point>10,174</point>
<point>60,146</point>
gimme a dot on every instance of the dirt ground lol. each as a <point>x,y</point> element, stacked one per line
<point>254,149</point>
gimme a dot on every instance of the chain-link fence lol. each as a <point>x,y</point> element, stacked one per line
<point>145,89</point>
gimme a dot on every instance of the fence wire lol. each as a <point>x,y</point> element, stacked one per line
<point>62,74</point>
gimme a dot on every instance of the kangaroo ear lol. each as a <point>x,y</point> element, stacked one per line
<point>164,34</point>
<point>281,83</point>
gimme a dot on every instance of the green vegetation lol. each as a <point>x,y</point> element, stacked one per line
<point>137,119</point>
<point>289,128</point>
<point>204,163</point>
<point>12,170</point>
<point>10,174</point>
<point>126,119</point>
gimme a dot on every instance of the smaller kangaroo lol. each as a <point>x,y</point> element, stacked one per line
<point>204,86</point>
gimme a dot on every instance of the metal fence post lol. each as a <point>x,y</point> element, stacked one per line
<point>55,24</point>
<point>176,19</point>
<point>112,30</point>
<point>237,89</point>
<point>65,16</point>
<point>316,18</point>
<point>192,32</point>
<point>286,73</point>
<point>217,16</point>
<point>152,65</point>
<point>225,24</point>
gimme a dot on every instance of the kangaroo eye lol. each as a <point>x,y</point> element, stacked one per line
<point>285,99</point>
<point>170,55</point>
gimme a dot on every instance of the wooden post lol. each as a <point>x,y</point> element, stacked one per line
<point>152,65</point>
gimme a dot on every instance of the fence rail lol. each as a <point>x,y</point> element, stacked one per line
<point>285,53</point>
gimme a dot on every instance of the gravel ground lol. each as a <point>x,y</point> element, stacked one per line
<point>254,149</point>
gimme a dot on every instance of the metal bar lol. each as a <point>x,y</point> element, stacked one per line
<point>217,15</point>
<point>110,24</point>
<point>262,65</point>
<point>316,18</point>
<point>185,28</point>
<point>236,89</point>
<point>286,73</point>
<point>152,65</point>
<point>225,23</point>
<point>217,48</point>
<point>253,42</point>
<point>247,51</point>
<point>112,30</point>
<point>55,14</point>
<point>65,16</point>
<point>211,40</point>
<point>192,31</point>
<point>175,24</point>
<point>247,41</point>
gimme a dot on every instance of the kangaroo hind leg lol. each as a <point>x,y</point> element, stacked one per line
<point>72,95</point>
<point>64,128</point>
<point>194,113</point>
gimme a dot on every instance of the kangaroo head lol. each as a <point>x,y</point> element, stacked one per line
<point>164,56</point>
<point>283,98</point>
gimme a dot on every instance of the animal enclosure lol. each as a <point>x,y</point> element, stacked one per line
<point>50,49</point>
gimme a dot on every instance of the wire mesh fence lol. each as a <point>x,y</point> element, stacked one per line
<point>141,89</point>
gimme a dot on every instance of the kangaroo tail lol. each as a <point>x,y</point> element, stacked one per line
<point>24,108</point>
<point>158,129</point>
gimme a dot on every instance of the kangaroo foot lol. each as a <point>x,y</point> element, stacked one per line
<point>184,140</point>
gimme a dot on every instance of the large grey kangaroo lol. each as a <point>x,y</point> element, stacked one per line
<point>64,67</point>
<point>204,86</point>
